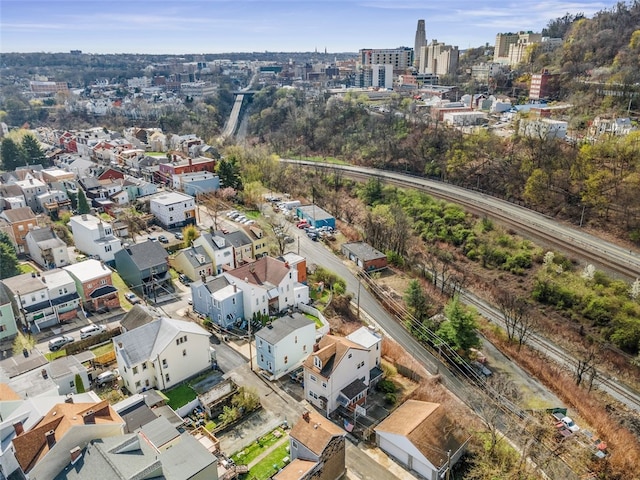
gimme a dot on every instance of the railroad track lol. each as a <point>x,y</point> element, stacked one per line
<point>532,224</point>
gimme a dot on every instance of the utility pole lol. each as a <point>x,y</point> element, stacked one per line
<point>359,284</point>
<point>448,475</point>
<point>250,354</point>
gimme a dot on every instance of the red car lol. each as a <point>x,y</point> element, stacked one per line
<point>302,224</point>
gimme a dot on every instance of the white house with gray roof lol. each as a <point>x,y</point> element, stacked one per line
<point>283,345</point>
<point>46,248</point>
<point>161,354</point>
<point>218,249</point>
<point>94,237</point>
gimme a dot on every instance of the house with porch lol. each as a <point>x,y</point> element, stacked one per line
<point>31,295</point>
<point>219,250</point>
<point>219,300</point>
<point>8,314</point>
<point>46,248</point>
<point>94,285</point>
<point>145,268</point>
<point>95,237</point>
<point>194,262</point>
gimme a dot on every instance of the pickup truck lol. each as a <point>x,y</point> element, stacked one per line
<point>565,423</point>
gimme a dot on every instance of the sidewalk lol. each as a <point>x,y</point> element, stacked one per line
<point>263,455</point>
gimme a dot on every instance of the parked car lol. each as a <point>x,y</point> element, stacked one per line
<point>91,330</point>
<point>302,224</point>
<point>570,424</point>
<point>190,301</point>
<point>179,236</point>
<point>107,377</point>
<point>152,239</point>
<point>288,239</point>
<point>163,239</point>
<point>132,297</point>
<point>233,213</point>
<point>184,279</point>
<point>57,343</point>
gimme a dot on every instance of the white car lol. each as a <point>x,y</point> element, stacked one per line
<point>107,377</point>
<point>91,330</point>
<point>570,424</point>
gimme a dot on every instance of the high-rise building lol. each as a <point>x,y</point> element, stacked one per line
<point>400,58</point>
<point>438,58</point>
<point>511,47</point>
<point>421,41</point>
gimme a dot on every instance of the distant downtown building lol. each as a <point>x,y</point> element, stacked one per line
<point>438,58</point>
<point>399,58</point>
<point>510,48</point>
<point>421,41</point>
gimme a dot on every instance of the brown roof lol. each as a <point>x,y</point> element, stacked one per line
<point>315,432</point>
<point>331,351</point>
<point>265,271</point>
<point>32,446</point>
<point>7,393</point>
<point>426,426</point>
<point>296,470</point>
<point>19,214</point>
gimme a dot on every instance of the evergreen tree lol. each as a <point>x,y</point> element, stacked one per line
<point>416,300</point>
<point>229,174</point>
<point>459,330</point>
<point>32,152</point>
<point>83,204</point>
<point>8,261</point>
<point>11,154</point>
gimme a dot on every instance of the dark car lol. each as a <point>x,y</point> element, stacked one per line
<point>184,279</point>
<point>163,239</point>
<point>179,236</point>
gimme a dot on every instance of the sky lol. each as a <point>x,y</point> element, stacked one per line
<point>221,26</point>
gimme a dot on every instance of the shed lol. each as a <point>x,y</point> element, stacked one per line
<point>365,256</point>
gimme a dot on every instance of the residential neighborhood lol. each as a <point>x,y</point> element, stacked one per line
<point>406,262</point>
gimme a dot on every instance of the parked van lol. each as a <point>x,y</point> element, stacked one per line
<point>91,330</point>
<point>57,343</point>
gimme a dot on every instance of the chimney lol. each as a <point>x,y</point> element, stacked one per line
<point>316,347</point>
<point>69,398</point>
<point>44,373</point>
<point>305,416</point>
<point>235,288</point>
<point>51,438</point>
<point>33,274</point>
<point>89,417</point>
<point>75,453</point>
<point>190,162</point>
<point>19,428</point>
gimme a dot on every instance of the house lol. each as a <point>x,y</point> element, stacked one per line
<point>420,435</point>
<point>46,248</point>
<point>21,414</point>
<point>133,456</point>
<point>298,262</point>
<point>317,450</point>
<point>18,222</point>
<point>364,256</point>
<point>31,295</point>
<point>136,317</point>
<point>193,262</point>
<point>95,237</point>
<point>269,286</point>
<point>94,285</point>
<point>173,209</point>
<point>218,249</point>
<point>63,295</point>
<point>32,187</point>
<point>69,374</point>
<point>52,202</point>
<point>259,245</point>
<point>219,300</point>
<point>161,354</point>
<point>8,314</point>
<point>284,344</point>
<point>543,128</point>
<point>195,184</point>
<point>339,371</point>
<point>241,243</point>
<point>316,216</point>
<point>370,339</point>
<point>145,268</point>
<point>43,450</point>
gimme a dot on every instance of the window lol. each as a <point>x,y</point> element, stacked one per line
<point>294,444</point>
<point>261,358</point>
<point>164,363</point>
<point>233,301</point>
<point>166,377</point>
<point>3,328</point>
<point>146,382</point>
<point>313,378</point>
<point>260,342</point>
<point>137,384</point>
<point>103,281</point>
<point>135,370</point>
<point>286,359</point>
<point>304,348</point>
<point>144,365</point>
<point>171,209</point>
<point>317,362</point>
<point>350,355</point>
<point>269,348</point>
<point>107,248</point>
<point>71,384</point>
<point>324,384</point>
<point>295,339</point>
<point>184,352</point>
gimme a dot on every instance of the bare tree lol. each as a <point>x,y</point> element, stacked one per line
<point>586,366</point>
<point>513,308</point>
<point>280,228</point>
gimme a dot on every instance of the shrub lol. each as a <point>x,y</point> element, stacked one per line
<point>386,386</point>
<point>390,398</point>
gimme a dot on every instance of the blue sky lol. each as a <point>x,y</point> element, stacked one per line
<point>218,26</point>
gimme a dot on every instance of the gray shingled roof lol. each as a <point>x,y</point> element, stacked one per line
<point>147,254</point>
<point>146,342</point>
<point>136,317</point>
<point>281,327</point>
<point>196,256</point>
<point>237,238</point>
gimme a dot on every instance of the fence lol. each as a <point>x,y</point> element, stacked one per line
<point>324,330</point>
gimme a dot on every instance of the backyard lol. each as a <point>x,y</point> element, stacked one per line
<point>265,456</point>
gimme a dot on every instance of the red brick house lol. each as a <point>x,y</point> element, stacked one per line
<point>94,285</point>
<point>365,256</point>
<point>17,222</point>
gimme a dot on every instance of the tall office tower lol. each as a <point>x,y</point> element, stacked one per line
<point>421,41</point>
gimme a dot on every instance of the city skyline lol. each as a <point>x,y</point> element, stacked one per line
<point>221,26</point>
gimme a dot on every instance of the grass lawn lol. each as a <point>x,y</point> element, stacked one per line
<point>26,268</point>
<point>180,396</point>
<point>122,289</point>
<point>335,161</point>
<point>265,469</point>
<point>102,349</point>
<point>315,319</point>
<point>245,456</point>
<point>252,214</point>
